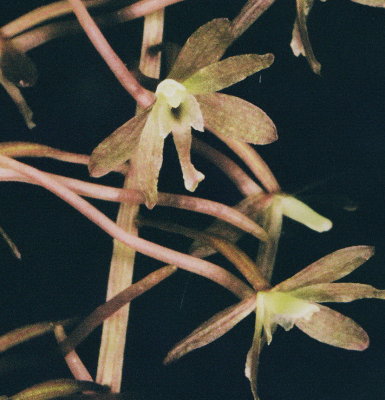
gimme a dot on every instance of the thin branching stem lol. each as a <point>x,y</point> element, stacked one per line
<point>142,96</point>
<point>232,170</point>
<point>74,363</point>
<point>101,313</point>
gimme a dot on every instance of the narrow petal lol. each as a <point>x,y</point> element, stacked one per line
<point>150,156</point>
<point>330,268</point>
<point>300,25</point>
<point>373,3</point>
<point>205,46</point>
<point>222,74</point>
<point>236,118</point>
<point>302,213</point>
<point>191,114</point>
<point>191,176</point>
<point>331,327</point>
<point>252,359</point>
<point>118,147</point>
<point>212,329</point>
<point>338,292</point>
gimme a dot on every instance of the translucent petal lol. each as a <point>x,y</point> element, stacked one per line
<point>205,46</point>
<point>118,147</point>
<point>236,118</point>
<point>331,327</point>
<point>182,140</point>
<point>302,213</point>
<point>330,268</point>
<point>222,74</point>
<point>338,292</point>
<point>212,329</point>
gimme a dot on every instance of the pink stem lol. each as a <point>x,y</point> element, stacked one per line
<point>143,97</point>
<point>235,173</point>
<point>169,256</point>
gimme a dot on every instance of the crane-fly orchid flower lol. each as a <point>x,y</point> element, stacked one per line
<point>187,99</point>
<point>295,302</point>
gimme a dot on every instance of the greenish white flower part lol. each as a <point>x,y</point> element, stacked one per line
<point>175,111</point>
<point>300,212</point>
<point>281,308</point>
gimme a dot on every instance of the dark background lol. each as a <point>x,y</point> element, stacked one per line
<point>331,146</point>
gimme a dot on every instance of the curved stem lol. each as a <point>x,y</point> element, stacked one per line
<point>201,267</point>
<point>235,173</point>
<point>143,97</point>
<point>254,161</point>
<point>42,14</point>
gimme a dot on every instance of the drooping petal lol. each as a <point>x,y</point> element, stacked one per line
<point>301,43</point>
<point>252,360</point>
<point>118,147</point>
<point>373,3</point>
<point>150,154</point>
<point>222,74</point>
<point>212,329</point>
<point>302,213</point>
<point>205,46</point>
<point>330,268</point>
<point>182,140</point>
<point>236,118</point>
<point>338,292</point>
<point>331,327</point>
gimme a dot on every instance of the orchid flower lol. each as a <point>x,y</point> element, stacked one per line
<point>295,302</point>
<point>187,99</point>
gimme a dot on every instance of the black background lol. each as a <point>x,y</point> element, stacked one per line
<point>331,146</point>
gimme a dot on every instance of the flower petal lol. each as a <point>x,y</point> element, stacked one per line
<point>331,327</point>
<point>300,42</point>
<point>212,329</point>
<point>205,46</point>
<point>252,364</point>
<point>251,206</point>
<point>302,213</point>
<point>118,147</point>
<point>222,74</point>
<point>150,154</point>
<point>236,118</point>
<point>330,268</point>
<point>182,140</point>
<point>338,292</point>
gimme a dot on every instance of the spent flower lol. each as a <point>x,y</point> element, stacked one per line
<point>187,99</point>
